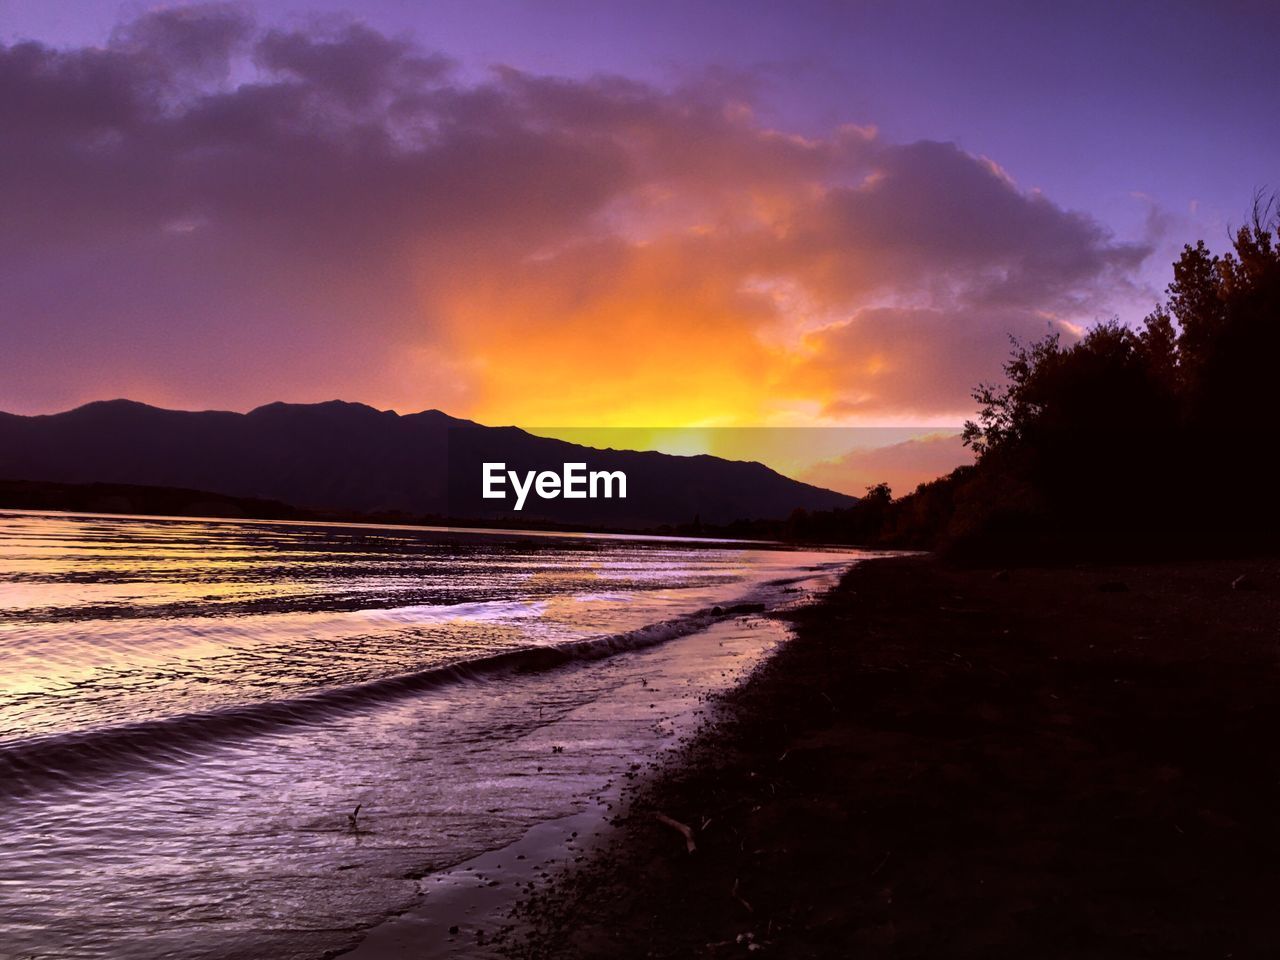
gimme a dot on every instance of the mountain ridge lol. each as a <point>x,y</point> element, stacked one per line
<point>349,456</point>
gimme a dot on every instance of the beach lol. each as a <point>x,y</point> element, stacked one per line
<point>1047,762</point>
<point>377,742</point>
<point>228,739</point>
<point>532,480</point>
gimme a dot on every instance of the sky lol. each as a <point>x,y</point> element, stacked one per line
<point>583,215</point>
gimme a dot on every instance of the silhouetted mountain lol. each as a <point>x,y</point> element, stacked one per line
<point>341,456</point>
<point>127,498</point>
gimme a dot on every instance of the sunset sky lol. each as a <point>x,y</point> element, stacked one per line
<point>584,214</point>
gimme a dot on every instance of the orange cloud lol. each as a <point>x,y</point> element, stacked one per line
<point>903,466</point>
<point>358,220</point>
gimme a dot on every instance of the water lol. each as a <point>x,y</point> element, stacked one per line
<point>191,710</point>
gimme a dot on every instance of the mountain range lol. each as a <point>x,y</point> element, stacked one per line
<point>351,458</point>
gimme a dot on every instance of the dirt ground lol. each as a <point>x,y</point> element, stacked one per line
<point>1076,762</point>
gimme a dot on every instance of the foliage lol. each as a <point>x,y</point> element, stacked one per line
<point>1132,434</point>
<point>1157,438</point>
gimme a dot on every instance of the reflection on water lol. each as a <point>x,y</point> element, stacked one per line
<point>189,710</point>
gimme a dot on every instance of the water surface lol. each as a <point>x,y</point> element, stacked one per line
<point>190,710</point>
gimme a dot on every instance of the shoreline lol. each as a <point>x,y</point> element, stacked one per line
<point>670,690</point>
<point>1038,762</point>
<point>476,528</point>
<point>241,814</point>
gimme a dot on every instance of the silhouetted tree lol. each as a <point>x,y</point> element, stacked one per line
<point>1158,436</point>
<point>1126,432</point>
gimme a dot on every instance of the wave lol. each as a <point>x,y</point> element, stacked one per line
<point>80,758</point>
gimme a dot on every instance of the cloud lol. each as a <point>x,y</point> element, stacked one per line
<point>903,466</point>
<point>209,212</point>
<point>194,42</point>
<point>358,66</point>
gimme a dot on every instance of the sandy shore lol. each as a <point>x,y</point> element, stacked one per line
<point>1035,763</point>
<point>648,703</point>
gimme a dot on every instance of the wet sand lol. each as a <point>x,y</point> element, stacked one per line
<point>658,701</point>
<point>1064,763</point>
<point>247,740</point>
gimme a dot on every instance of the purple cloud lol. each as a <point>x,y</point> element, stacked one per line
<point>204,212</point>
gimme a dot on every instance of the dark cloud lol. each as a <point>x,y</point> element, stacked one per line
<point>193,42</point>
<point>929,212</point>
<point>359,66</point>
<point>210,213</point>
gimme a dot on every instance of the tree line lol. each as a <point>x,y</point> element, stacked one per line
<point>1158,439</point>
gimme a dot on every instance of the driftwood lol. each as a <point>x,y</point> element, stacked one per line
<point>681,828</point>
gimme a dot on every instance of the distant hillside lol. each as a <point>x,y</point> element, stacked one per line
<point>130,498</point>
<point>348,457</point>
